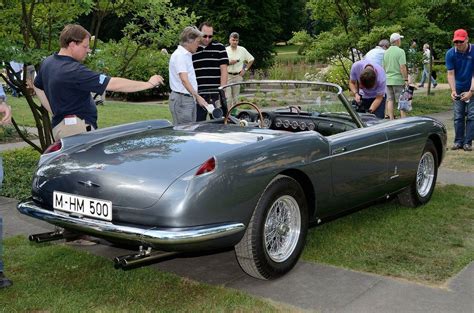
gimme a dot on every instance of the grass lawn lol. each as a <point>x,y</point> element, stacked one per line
<point>428,244</point>
<point>110,114</point>
<point>438,101</point>
<point>286,49</point>
<point>288,54</point>
<point>57,278</point>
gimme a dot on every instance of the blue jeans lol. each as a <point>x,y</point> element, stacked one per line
<point>463,122</point>
<point>379,112</point>
<point>427,74</point>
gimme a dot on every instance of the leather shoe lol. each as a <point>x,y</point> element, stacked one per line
<point>456,146</point>
<point>467,147</point>
<point>4,282</point>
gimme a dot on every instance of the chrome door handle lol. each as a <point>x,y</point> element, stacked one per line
<point>339,150</point>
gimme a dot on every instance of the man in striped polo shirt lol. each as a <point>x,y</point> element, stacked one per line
<point>210,64</point>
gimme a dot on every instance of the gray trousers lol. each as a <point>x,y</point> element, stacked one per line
<point>182,108</point>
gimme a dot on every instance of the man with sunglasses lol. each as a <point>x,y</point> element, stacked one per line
<point>64,84</point>
<point>368,83</point>
<point>460,66</point>
<point>210,64</point>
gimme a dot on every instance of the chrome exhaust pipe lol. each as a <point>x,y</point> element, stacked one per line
<point>143,257</point>
<point>45,237</point>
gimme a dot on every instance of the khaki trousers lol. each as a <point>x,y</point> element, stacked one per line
<point>71,125</point>
<point>232,93</point>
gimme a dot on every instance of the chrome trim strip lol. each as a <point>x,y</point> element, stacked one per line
<point>360,149</point>
<point>404,137</point>
<point>146,235</point>
<point>373,145</point>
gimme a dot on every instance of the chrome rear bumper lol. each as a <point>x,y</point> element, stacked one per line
<point>154,236</point>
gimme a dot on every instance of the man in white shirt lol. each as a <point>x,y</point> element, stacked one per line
<point>183,83</point>
<point>240,61</point>
<point>376,54</point>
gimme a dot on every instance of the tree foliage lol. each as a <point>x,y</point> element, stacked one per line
<point>30,33</point>
<point>259,22</point>
<point>354,27</point>
<point>31,29</point>
<point>152,24</point>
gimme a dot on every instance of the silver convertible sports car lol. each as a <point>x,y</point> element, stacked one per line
<point>286,155</point>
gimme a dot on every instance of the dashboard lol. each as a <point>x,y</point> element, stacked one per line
<point>301,121</point>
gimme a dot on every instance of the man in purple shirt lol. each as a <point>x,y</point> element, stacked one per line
<point>367,84</point>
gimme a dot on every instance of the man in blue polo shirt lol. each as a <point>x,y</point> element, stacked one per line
<point>64,84</point>
<point>460,66</point>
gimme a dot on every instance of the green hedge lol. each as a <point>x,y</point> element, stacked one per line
<point>19,166</point>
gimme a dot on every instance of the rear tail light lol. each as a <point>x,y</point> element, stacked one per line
<point>54,147</point>
<point>207,167</point>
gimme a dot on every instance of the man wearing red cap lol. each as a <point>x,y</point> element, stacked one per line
<point>460,66</point>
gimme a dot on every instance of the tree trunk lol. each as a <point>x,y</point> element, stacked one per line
<point>40,114</point>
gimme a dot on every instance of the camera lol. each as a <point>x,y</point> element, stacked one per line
<point>457,97</point>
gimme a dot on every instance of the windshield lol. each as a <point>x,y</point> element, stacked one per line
<point>304,97</point>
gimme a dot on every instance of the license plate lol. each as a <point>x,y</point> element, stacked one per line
<point>91,207</point>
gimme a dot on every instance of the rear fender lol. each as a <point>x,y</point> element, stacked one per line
<point>76,141</point>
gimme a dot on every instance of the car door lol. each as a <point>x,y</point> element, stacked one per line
<point>359,160</point>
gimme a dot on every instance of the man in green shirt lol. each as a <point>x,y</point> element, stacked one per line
<point>395,66</point>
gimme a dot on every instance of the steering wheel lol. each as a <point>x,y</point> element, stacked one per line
<point>227,116</point>
<point>291,107</point>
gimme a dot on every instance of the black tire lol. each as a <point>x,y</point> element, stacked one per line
<point>283,197</point>
<point>421,189</point>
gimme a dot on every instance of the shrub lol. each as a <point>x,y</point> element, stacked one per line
<point>337,75</point>
<point>19,165</point>
<point>9,134</point>
<point>441,73</point>
<point>113,57</point>
<point>287,71</point>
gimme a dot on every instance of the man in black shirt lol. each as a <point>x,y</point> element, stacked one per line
<point>210,64</point>
<point>64,84</point>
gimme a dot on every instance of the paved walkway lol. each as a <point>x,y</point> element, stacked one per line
<point>308,286</point>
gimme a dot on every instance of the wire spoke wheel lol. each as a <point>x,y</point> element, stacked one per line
<point>275,236</point>
<point>282,228</point>
<point>425,174</point>
<point>421,189</point>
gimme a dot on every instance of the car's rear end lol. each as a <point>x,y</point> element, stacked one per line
<point>148,186</point>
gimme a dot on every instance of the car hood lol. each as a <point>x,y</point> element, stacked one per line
<point>135,169</point>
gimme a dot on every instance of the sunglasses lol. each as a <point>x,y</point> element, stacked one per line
<point>458,42</point>
<point>207,36</point>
